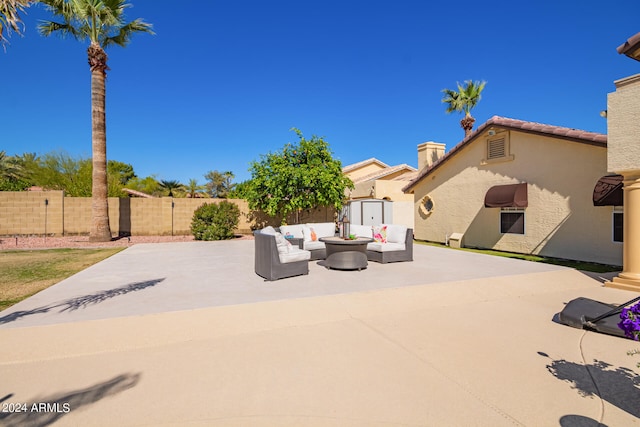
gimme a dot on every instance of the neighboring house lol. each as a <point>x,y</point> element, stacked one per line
<point>523,187</point>
<point>375,180</point>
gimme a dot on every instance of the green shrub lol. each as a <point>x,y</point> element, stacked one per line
<point>215,221</point>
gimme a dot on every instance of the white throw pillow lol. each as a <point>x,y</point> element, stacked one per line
<point>396,233</point>
<point>284,246</point>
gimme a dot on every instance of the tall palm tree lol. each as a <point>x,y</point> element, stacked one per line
<point>10,17</point>
<point>102,23</point>
<point>464,100</point>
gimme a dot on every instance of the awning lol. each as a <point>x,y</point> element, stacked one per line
<point>608,191</point>
<point>507,196</point>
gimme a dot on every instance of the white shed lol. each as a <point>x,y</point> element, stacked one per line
<point>370,211</point>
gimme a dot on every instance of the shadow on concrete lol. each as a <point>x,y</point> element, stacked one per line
<point>82,301</point>
<point>49,409</point>
<point>618,386</point>
<point>579,421</point>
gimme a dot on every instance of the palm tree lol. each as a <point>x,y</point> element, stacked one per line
<point>171,186</point>
<point>102,23</point>
<point>10,17</point>
<point>464,100</point>
<point>10,168</point>
<point>194,189</point>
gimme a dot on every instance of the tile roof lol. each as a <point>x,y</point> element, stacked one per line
<point>571,134</point>
<point>137,193</point>
<point>354,166</point>
<point>631,47</point>
<point>385,172</point>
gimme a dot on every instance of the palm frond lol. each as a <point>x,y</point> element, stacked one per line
<point>466,98</point>
<point>10,20</point>
<point>123,37</point>
<point>100,21</point>
<point>46,28</point>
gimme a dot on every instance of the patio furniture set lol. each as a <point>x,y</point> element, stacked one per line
<point>286,252</point>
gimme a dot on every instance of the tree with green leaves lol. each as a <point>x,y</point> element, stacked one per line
<point>123,171</point>
<point>103,24</point>
<point>148,185</point>
<point>464,100</point>
<point>300,176</point>
<point>61,171</point>
<point>219,183</point>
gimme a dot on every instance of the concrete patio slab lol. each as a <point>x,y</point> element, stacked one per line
<point>452,338</point>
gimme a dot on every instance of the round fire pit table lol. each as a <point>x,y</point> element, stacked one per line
<point>344,254</point>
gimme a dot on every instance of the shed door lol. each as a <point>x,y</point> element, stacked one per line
<point>372,213</point>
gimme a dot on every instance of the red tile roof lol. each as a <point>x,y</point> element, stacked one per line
<point>575,135</point>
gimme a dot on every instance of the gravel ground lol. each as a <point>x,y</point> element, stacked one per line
<point>12,243</point>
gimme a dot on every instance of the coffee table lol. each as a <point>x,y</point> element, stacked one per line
<point>346,254</point>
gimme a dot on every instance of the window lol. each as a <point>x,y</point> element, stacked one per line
<point>426,206</point>
<point>618,226</point>
<point>498,148</point>
<point>511,221</point>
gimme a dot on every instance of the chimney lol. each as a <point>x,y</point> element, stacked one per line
<point>428,153</point>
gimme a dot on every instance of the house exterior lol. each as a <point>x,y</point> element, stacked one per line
<point>623,158</point>
<point>374,179</point>
<point>522,187</point>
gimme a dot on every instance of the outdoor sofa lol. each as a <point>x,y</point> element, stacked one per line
<point>276,258</point>
<point>308,236</point>
<point>392,242</point>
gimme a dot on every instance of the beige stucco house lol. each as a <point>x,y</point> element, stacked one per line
<point>375,180</point>
<point>522,187</point>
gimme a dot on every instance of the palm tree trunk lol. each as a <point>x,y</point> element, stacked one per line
<point>100,230</point>
<point>467,124</point>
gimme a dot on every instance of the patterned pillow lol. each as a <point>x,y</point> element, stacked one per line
<point>380,234</point>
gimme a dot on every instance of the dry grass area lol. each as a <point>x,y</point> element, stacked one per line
<point>26,272</point>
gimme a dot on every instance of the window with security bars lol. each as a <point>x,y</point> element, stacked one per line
<point>511,221</point>
<point>618,227</point>
<point>496,148</point>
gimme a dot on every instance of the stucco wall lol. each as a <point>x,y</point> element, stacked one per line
<point>560,220</point>
<point>623,126</point>
<point>364,170</point>
<point>25,213</point>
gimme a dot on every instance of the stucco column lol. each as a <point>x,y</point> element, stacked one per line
<point>629,279</point>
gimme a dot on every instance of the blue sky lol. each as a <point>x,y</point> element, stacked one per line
<point>223,82</point>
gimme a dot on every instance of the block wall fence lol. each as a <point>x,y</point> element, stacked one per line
<point>39,213</point>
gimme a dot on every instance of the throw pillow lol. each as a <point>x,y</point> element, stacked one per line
<point>306,233</point>
<point>284,246</point>
<point>380,234</point>
<point>314,236</point>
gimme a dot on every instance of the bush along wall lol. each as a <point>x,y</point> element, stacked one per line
<point>215,221</point>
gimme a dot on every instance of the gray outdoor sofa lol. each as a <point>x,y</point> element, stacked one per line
<point>393,242</point>
<point>385,256</point>
<point>272,262</point>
